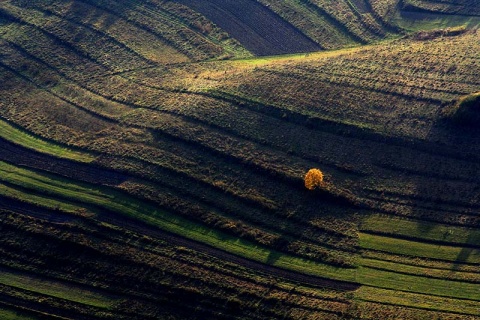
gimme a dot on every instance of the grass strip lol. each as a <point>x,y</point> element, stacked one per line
<point>25,139</point>
<point>293,57</point>
<point>37,198</point>
<point>55,289</point>
<point>421,301</point>
<point>421,230</point>
<point>418,249</point>
<point>418,284</point>
<point>421,21</point>
<point>119,202</point>
<point>421,271</point>
<point>7,314</point>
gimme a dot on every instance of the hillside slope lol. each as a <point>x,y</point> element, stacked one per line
<point>140,168</point>
<point>275,27</point>
<point>254,25</point>
<point>462,7</point>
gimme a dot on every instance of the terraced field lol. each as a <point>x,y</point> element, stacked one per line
<point>463,7</point>
<point>275,27</point>
<point>255,26</point>
<point>151,166</point>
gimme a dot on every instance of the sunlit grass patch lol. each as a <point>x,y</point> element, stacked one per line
<point>23,138</point>
<point>419,249</point>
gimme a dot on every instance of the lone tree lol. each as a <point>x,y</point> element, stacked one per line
<point>313,179</point>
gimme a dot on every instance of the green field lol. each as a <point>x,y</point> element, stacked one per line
<point>55,289</point>
<point>15,135</point>
<point>418,249</point>
<point>12,315</point>
<point>431,21</point>
<point>421,230</point>
<point>155,152</point>
<point>115,201</point>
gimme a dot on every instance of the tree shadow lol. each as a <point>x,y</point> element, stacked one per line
<point>273,257</point>
<point>425,228</point>
<point>447,183</point>
<point>468,251</point>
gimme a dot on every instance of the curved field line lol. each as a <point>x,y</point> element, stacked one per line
<point>421,230</point>
<point>59,41</point>
<point>144,15</point>
<point>418,301</point>
<point>382,279</point>
<point>24,138</point>
<point>106,118</point>
<point>121,203</point>
<point>97,32</point>
<point>379,33</point>
<point>427,272</point>
<point>134,106</point>
<point>10,313</point>
<point>97,175</point>
<point>256,27</point>
<point>118,202</point>
<point>12,198</point>
<point>173,137</point>
<point>457,254</point>
<point>334,21</point>
<point>55,289</point>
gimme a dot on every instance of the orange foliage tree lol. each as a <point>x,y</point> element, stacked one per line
<point>313,179</point>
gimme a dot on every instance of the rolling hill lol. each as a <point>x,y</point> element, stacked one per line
<point>153,154</point>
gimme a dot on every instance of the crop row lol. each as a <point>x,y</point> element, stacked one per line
<point>86,41</point>
<point>180,270</point>
<point>95,146</point>
<point>155,19</point>
<point>256,27</point>
<point>130,90</point>
<point>111,27</point>
<point>169,164</point>
<point>165,275</point>
<point>421,230</point>
<point>116,201</point>
<point>464,7</point>
<point>422,306</point>
<point>399,281</point>
<point>364,26</point>
<point>223,145</point>
<point>106,86</point>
